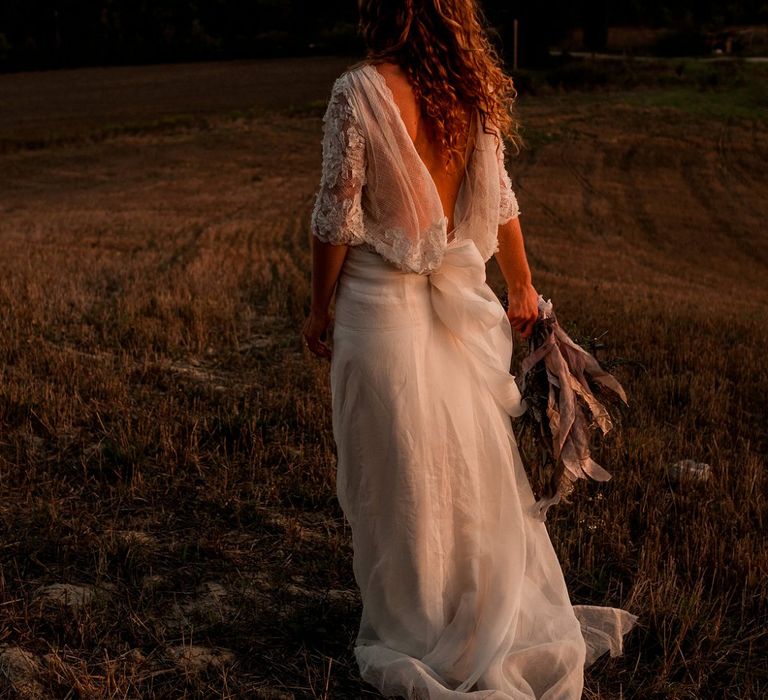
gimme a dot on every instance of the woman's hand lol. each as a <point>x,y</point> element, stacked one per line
<point>523,310</point>
<point>327,261</point>
<point>314,332</point>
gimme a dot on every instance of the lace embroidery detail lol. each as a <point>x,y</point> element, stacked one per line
<point>337,216</point>
<point>422,256</point>
<point>508,205</point>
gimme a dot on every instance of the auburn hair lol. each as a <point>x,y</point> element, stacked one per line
<point>443,48</point>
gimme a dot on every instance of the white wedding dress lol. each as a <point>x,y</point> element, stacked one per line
<point>463,595</point>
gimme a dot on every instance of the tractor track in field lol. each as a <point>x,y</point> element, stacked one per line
<point>587,171</point>
<point>705,183</point>
<point>634,193</point>
<point>740,172</point>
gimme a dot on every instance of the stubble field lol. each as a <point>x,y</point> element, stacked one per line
<point>168,522</point>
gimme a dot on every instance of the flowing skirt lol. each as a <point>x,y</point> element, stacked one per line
<point>463,595</point>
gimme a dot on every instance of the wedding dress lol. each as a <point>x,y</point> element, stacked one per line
<point>463,595</point>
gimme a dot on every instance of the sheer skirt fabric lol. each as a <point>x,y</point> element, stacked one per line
<point>463,595</point>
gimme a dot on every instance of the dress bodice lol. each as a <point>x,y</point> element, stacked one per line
<point>376,190</point>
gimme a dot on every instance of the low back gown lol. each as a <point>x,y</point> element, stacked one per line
<point>462,592</point>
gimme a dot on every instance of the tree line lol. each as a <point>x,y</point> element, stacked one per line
<point>53,33</point>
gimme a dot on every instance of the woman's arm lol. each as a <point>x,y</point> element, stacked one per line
<point>523,298</point>
<point>327,259</point>
<point>337,217</point>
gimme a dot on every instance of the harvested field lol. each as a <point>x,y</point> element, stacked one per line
<point>168,522</point>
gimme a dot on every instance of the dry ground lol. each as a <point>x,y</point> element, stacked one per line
<point>168,525</point>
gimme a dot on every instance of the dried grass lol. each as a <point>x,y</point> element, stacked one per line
<point>165,438</point>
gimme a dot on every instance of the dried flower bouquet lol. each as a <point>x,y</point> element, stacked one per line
<point>562,385</point>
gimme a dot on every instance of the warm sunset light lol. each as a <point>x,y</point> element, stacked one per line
<point>383,348</point>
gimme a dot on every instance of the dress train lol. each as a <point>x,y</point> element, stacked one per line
<point>463,595</point>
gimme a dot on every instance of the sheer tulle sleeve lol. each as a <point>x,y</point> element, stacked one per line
<point>508,206</point>
<point>337,216</point>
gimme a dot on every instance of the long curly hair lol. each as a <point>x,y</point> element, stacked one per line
<point>443,48</point>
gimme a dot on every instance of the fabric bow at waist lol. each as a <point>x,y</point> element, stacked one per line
<point>471,311</point>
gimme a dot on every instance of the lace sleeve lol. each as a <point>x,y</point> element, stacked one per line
<point>508,206</point>
<point>337,216</point>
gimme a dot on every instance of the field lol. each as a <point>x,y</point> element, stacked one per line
<point>168,522</point>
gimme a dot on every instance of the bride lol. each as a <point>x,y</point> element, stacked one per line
<point>463,595</point>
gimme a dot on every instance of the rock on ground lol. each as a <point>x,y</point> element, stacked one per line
<point>194,659</point>
<point>20,669</point>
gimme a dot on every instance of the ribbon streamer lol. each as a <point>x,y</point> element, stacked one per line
<point>568,370</point>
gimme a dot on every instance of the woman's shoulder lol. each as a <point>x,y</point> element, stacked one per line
<point>351,90</point>
<point>344,101</point>
<point>349,78</point>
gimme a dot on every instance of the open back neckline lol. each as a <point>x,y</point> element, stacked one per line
<point>467,157</point>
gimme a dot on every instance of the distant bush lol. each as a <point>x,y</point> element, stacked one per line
<point>272,43</point>
<point>5,48</point>
<point>684,42</point>
<point>713,74</point>
<point>587,74</point>
<point>342,37</point>
<point>525,82</point>
<point>581,75</point>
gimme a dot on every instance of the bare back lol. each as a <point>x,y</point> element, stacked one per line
<point>447,181</point>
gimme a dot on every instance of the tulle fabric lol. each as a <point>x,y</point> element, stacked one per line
<point>375,189</point>
<point>463,595</point>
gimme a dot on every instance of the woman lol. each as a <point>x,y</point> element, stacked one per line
<point>462,592</point>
